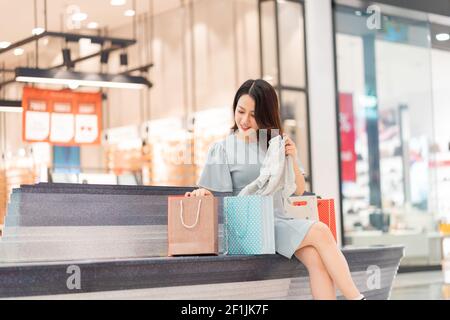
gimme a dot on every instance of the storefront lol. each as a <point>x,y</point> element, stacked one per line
<point>200,53</point>
<point>392,80</point>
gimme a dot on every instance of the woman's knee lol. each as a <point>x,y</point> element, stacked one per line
<point>310,257</point>
<point>321,232</point>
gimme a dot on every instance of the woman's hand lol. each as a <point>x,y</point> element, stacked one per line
<point>198,193</point>
<point>290,147</point>
<point>291,150</point>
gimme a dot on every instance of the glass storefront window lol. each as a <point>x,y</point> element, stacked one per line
<point>295,122</point>
<point>388,122</point>
<point>201,52</point>
<point>268,41</point>
<point>292,51</point>
<point>283,65</point>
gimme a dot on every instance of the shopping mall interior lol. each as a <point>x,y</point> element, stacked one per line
<point>104,103</point>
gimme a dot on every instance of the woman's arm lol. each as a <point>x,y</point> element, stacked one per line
<point>291,150</point>
<point>299,179</point>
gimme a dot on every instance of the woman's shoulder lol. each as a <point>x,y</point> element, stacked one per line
<point>221,145</point>
<point>217,153</point>
<point>218,145</point>
<point>217,149</point>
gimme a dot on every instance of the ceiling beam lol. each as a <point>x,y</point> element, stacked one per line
<point>93,55</point>
<point>115,43</point>
<point>143,68</point>
<point>120,42</point>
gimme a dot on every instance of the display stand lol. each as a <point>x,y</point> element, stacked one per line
<point>136,161</point>
<point>13,175</point>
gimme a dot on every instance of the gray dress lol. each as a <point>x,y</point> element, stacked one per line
<point>231,165</point>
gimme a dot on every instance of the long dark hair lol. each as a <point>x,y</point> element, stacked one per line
<point>267,111</point>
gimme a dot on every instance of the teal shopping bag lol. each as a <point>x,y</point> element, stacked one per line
<point>249,225</point>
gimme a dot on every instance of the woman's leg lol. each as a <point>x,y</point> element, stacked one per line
<point>319,236</point>
<point>322,286</point>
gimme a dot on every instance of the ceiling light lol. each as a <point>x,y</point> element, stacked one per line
<point>129,13</point>
<point>18,51</point>
<point>4,44</point>
<point>79,16</point>
<point>66,58</point>
<point>10,106</point>
<point>73,85</point>
<point>37,31</point>
<point>104,56</point>
<point>66,77</point>
<point>442,36</point>
<point>92,25</point>
<point>118,2</point>
<point>124,59</point>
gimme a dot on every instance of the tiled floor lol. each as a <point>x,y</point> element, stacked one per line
<point>418,286</point>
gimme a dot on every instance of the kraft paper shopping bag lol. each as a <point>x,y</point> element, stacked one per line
<point>192,225</point>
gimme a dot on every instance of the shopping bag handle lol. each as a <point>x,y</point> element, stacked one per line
<point>196,219</point>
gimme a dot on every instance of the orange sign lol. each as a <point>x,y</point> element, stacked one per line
<point>61,117</point>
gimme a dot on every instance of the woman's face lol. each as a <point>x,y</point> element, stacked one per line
<point>244,116</point>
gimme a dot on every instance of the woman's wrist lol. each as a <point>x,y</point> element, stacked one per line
<point>295,162</point>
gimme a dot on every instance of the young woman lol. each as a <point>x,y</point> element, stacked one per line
<point>255,107</point>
